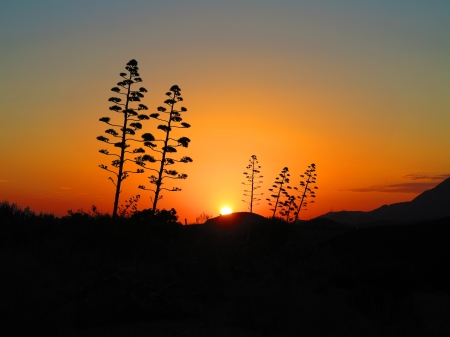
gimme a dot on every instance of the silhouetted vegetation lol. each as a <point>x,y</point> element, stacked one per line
<point>82,272</point>
<point>287,207</point>
<point>130,206</point>
<point>202,218</point>
<point>130,124</point>
<point>251,175</point>
<point>85,274</point>
<point>173,120</point>
<point>307,187</point>
<point>12,213</point>
<point>279,191</point>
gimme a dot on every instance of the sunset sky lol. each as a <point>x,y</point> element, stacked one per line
<point>360,88</point>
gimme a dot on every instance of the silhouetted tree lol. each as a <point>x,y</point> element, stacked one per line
<point>130,124</point>
<point>251,175</point>
<point>307,188</point>
<point>278,190</point>
<point>173,120</point>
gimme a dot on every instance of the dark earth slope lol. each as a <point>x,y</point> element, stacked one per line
<point>85,276</point>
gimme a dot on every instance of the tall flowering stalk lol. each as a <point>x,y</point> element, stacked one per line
<point>128,128</point>
<point>252,174</point>
<point>307,187</point>
<point>169,145</point>
<point>279,190</point>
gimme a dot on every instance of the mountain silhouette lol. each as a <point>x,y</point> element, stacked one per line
<point>431,204</point>
<point>235,219</point>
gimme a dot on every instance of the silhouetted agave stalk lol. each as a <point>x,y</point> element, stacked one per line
<point>130,124</point>
<point>278,190</point>
<point>129,208</point>
<point>251,175</point>
<point>173,120</point>
<point>288,207</point>
<point>307,187</point>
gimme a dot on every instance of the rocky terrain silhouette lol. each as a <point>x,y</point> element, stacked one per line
<point>429,205</point>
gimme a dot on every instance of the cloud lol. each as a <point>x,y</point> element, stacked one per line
<point>3,181</point>
<point>43,196</point>
<point>63,193</point>
<point>80,194</point>
<point>397,188</point>
<point>410,187</point>
<point>437,177</point>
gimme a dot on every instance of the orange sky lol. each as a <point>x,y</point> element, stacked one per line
<point>363,92</point>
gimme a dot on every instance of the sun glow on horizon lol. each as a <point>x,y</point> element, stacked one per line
<point>225,210</point>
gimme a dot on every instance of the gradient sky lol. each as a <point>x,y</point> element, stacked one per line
<point>360,88</point>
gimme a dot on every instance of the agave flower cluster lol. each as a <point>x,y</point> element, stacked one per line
<point>279,191</point>
<point>123,134</point>
<point>285,202</point>
<point>307,188</point>
<point>288,206</point>
<point>169,145</point>
<point>250,176</point>
<point>119,135</point>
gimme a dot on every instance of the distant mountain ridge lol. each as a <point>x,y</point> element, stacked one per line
<point>429,205</point>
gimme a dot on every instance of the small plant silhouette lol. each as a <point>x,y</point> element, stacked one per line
<point>130,124</point>
<point>307,187</point>
<point>278,190</point>
<point>250,176</point>
<point>202,218</point>
<point>173,120</point>
<point>130,207</point>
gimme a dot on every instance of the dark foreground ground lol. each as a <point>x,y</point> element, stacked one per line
<point>87,276</point>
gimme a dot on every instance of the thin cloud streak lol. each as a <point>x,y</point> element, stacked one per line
<point>66,194</point>
<point>438,177</point>
<point>397,188</point>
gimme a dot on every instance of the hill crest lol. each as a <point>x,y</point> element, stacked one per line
<point>429,205</point>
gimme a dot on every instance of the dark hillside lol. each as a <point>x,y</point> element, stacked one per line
<point>430,205</point>
<point>84,275</point>
<point>412,255</point>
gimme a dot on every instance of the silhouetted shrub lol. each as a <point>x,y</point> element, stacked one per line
<point>13,211</point>
<point>202,218</point>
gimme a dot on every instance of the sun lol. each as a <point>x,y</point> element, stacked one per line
<point>225,210</point>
